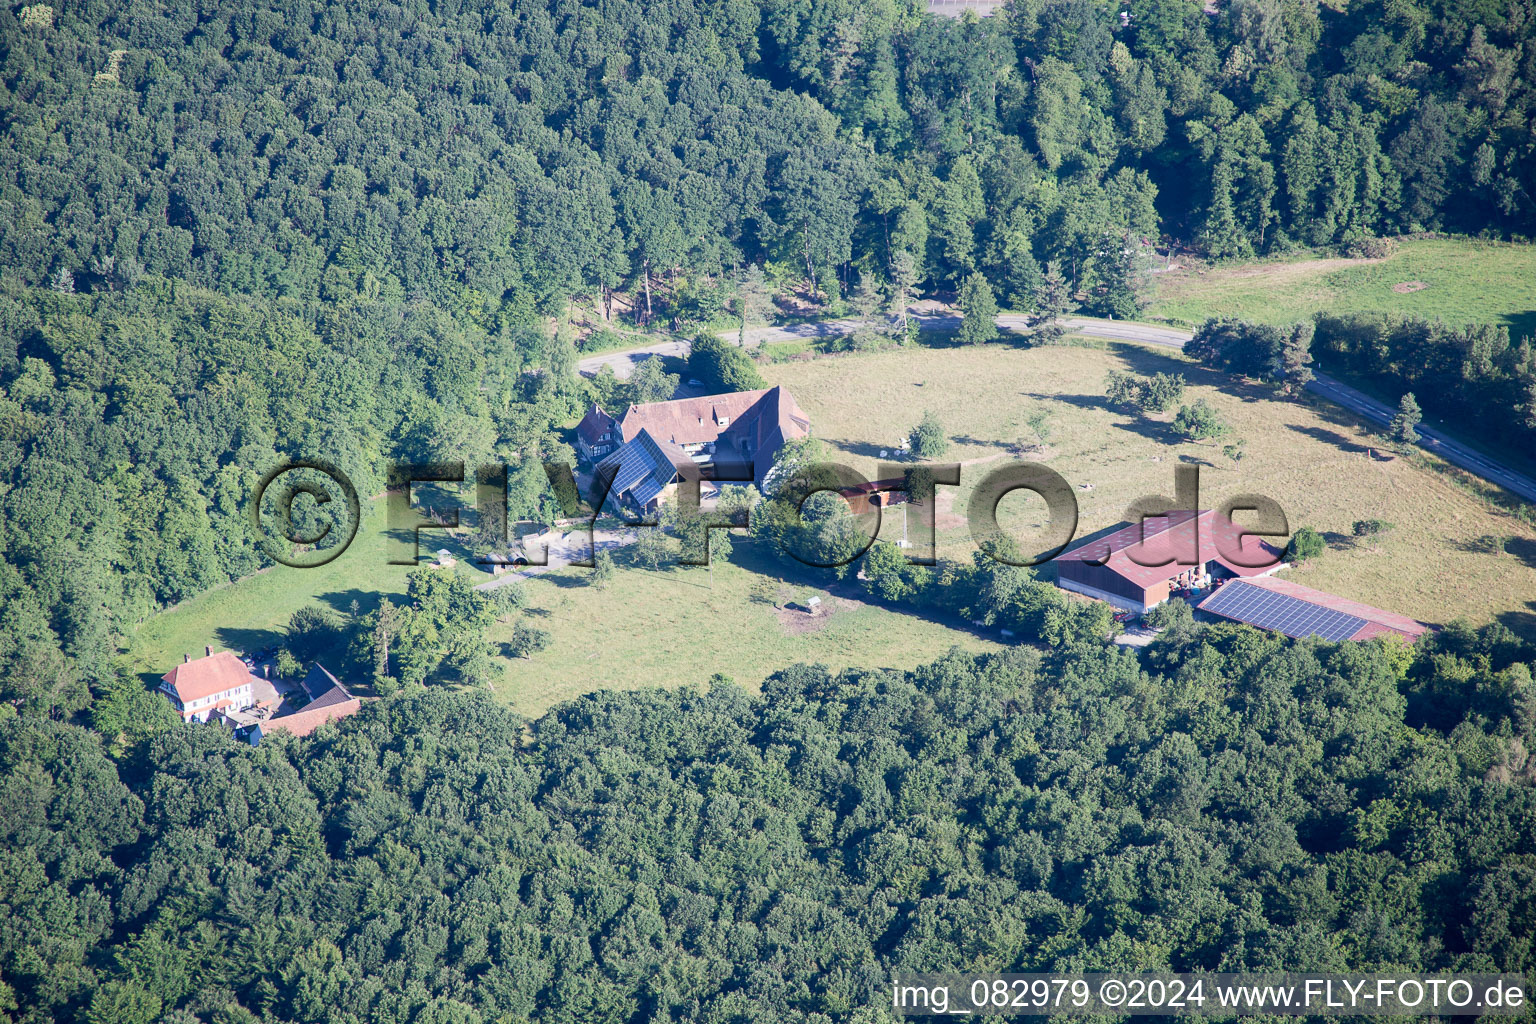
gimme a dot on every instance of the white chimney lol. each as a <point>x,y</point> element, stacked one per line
<point>208,651</point>
<point>186,658</point>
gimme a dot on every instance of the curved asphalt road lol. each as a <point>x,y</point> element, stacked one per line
<point>1357,402</point>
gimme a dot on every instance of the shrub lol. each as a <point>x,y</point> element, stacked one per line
<point>287,665</point>
<point>1234,345</point>
<point>1120,388</point>
<point>602,570</point>
<point>1371,248</point>
<point>527,640</point>
<point>1305,543</point>
<point>1172,614</point>
<point>927,440</point>
<point>1200,421</point>
<point>722,367</point>
<point>1161,393</point>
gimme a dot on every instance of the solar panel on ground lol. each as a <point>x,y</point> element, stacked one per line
<point>1281,612</point>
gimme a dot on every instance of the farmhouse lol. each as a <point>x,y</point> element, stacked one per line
<point>732,437</point>
<point>329,701</point>
<point>644,472</point>
<point>1299,611</point>
<point>1123,568</point>
<point>597,434</point>
<point>215,683</point>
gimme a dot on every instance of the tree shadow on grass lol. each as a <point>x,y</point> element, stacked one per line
<point>1330,437</point>
<point>980,442</point>
<point>1081,401</point>
<point>1522,548</point>
<point>760,558</point>
<point>1521,623</point>
<point>866,449</point>
<point>367,600</point>
<point>1152,430</point>
<point>1487,544</point>
<point>557,579</point>
<point>246,641</point>
<point>1149,362</point>
<point>1521,325</point>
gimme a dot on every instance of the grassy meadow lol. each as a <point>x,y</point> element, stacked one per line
<point>675,626</point>
<point>1460,280</point>
<point>1449,555</point>
<point>680,625</point>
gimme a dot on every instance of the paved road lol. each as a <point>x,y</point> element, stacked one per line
<point>624,363</point>
<point>1338,392</point>
<point>1434,440</point>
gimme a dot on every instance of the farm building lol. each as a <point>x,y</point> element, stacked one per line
<point>1299,611</point>
<point>597,434</point>
<point>743,429</point>
<point>644,472</point>
<point>329,701</point>
<point>1200,549</point>
<point>212,684</point>
<point>731,437</point>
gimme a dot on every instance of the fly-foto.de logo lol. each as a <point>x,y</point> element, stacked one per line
<point>306,512</point>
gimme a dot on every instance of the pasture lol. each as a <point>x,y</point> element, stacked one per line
<point>1449,554</point>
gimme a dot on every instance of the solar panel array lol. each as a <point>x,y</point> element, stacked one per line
<point>1281,612</point>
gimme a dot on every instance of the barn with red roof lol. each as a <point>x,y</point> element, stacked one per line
<point>1143,564</point>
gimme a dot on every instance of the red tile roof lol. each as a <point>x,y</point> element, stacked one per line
<point>1377,621</point>
<point>595,424</point>
<point>205,677</point>
<point>701,420</point>
<point>307,720</point>
<point>1169,538</point>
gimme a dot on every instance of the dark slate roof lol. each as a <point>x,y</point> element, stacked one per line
<point>595,424</point>
<point>318,681</point>
<point>773,419</point>
<point>335,695</point>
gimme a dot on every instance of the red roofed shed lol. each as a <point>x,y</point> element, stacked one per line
<point>1139,566</point>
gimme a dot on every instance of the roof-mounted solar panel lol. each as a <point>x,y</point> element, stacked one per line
<point>1281,612</point>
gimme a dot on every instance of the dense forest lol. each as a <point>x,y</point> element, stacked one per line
<point>232,233</point>
<point>1226,801</point>
<point>236,232</point>
<point>498,158</point>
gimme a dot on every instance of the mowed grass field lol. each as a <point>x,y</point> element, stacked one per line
<point>676,626</point>
<point>1450,555</point>
<point>681,625</point>
<point>1459,280</point>
<point>252,613</point>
